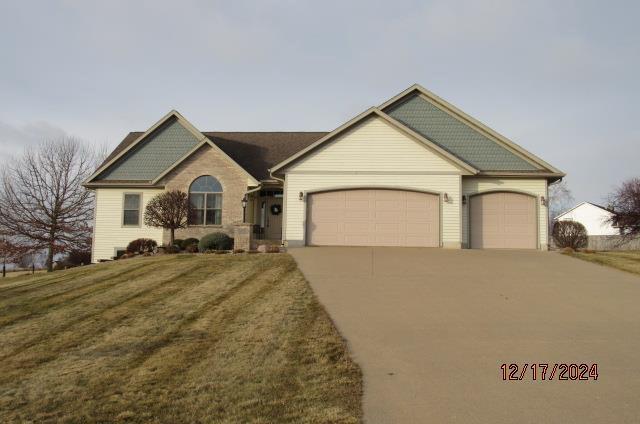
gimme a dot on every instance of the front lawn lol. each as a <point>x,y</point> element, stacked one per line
<point>624,260</point>
<point>186,338</point>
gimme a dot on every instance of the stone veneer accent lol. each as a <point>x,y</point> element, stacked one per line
<point>210,161</point>
<point>242,236</point>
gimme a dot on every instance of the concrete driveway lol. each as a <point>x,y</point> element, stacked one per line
<point>430,329</point>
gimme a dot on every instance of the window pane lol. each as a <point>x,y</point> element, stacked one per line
<point>131,218</point>
<point>196,217</point>
<point>206,184</point>
<point>214,216</point>
<point>197,201</point>
<point>214,201</point>
<point>132,201</point>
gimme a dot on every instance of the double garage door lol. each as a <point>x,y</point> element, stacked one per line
<point>379,217</point>
<point>373,217</point>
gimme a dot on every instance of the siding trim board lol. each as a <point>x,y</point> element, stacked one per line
<point>372,187</point>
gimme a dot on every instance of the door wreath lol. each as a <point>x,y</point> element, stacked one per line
<point>276,209</point>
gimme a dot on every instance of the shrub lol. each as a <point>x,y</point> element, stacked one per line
<point>78,257</point>
<point>172,249</point>
<point>215,241</point>
<point>238,250</point>
<point>570,234</point>
<point>192,248</point>
<point>142,245</point>
<point>188,242</point>
<point>178,242</point>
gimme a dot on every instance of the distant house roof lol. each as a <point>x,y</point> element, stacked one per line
<point>581,204</point>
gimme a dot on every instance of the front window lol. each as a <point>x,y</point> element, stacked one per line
<point>131,216</point>
<point>205,196</point>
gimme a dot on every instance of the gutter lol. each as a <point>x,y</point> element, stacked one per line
<point>274,177</point>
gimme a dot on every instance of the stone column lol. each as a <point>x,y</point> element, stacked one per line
<point>242,236</point>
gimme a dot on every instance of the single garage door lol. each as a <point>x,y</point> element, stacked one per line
<point>373,217</point>
<point>503,220</point>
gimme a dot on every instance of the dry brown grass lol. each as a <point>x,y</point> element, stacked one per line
<point>208,338</point>
<point>625,260</point>
<point>19,273</point>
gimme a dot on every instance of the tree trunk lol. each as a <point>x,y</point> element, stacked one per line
<point>171,238</point>
<point>50,258</point>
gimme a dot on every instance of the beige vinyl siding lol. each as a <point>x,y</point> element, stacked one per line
<point>534,186</point>
<point>109,233</point>
<point>374,145</point>
<point>373,154</point>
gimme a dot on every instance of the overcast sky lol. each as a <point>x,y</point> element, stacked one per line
<point>561,78</point>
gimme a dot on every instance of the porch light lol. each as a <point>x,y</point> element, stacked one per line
<point>446,197</point>
<point>244,208</point>
<point>301,195</point>
<point>464,199</point>
<point>543,201</point>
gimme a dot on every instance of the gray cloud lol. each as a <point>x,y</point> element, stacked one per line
<point>14,138</point>
<point>559,78</point>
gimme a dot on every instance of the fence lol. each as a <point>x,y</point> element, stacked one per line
<point>612,243</point>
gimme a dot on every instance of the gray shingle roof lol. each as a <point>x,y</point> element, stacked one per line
<point>455,136</point>
<point>256,152</point>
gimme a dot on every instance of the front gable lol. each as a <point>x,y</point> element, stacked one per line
<point>152,156</point>
<point>143,159</point>
<point>452,134</point>
<point>374,145</point>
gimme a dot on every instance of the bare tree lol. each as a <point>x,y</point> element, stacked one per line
<point>560,199</point>
<point>625,203</point>
<point>43,205</point>
<point>168,210</point>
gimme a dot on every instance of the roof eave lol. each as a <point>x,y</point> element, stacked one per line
<point>106,184</point>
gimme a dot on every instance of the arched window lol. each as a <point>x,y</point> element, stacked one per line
<point>205,196</point>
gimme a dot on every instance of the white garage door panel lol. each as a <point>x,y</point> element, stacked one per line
<point>373,217</point>
<point>503,220</point>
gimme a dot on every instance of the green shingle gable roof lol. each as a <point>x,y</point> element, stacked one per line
<point>146,161</point>
<point>455,136</point>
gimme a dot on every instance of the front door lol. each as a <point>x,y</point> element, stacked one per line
<point>271,219</point>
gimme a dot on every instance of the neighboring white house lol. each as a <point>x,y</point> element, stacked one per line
<point>593,217</point>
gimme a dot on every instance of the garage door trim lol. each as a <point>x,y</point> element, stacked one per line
<point>304,195</point>
<point>526,193</point>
